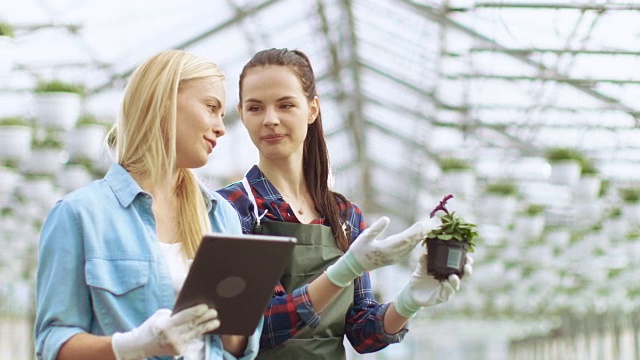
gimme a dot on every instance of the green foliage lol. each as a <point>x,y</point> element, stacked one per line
<point>59,86</point>
<point>588,168</point>
<point>6,30</point>
<point>605,184</point>
<point>14,121</point>
<point>534,209</point>
<point>502,187</point>
<point>455,227</point>
<point>630,194</point>
<point>49,141</point>
<point>87,119</point>
<point>615,213</point>
<point>563,154</point>
<point>452,164</point>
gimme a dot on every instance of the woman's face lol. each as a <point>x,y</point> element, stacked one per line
<point>201,106</point>
<point>275,111</point>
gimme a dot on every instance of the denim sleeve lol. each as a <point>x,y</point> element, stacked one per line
<point>253,343</point>
<point>63,307</point>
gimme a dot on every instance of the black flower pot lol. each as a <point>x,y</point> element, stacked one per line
<point>446,258</point>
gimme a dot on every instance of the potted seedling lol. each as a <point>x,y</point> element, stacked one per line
<point>448,244</point>
<point>458,175</point>
<point>58,103</point>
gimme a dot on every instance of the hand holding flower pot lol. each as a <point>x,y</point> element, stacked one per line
<point>448,244</point>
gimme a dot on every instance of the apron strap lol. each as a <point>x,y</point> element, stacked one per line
<point>245,184</point>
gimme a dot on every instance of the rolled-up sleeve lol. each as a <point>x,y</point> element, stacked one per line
<point>63,307</point>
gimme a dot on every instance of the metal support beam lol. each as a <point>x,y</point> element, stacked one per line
<point>216,29</point>
<point>556,78</point>
<point>440,17</point>
<point>530,51</point>
<point>542,5</point>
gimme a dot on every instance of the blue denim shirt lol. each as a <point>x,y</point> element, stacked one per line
<point>101,269</point>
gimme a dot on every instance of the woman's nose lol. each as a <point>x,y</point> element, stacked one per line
<point>271,117</point>
<point>218,126</point>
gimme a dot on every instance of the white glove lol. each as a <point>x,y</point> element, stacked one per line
<point>423,290</point>
<point>368,253</point>
<point>163,334</point>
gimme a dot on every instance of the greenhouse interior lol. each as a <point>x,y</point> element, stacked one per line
<point>526,111</point>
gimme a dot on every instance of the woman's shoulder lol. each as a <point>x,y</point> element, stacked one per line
<point>234,189</point>
<point>347,206</point>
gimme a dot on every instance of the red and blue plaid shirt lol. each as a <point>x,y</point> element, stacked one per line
<point>287,314</point>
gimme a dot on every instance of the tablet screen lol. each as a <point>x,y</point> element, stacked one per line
<point>236,275</point>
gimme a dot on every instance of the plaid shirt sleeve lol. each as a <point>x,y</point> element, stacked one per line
<point>365,320</point>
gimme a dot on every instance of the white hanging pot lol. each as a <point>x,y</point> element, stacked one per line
<point>587,187</point>
<point>86,142</point>
<point>616,228</point>
<point>460,182</point>
<point>73,177</point>
<point>8,180</point>
<point>497,209</point>
<point>57,110</point>
<point>45,161</point>
<point>529,227</point>
<point>631,212</point>
<point>15,142</point>
<point>8,50</point>
<point>565,172</point>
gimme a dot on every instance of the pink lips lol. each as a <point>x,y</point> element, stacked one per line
<point>273,138</point>
<point>212,144</point>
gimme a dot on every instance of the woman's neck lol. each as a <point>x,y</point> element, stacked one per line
<point>288,178</point>
<point>165,188</point>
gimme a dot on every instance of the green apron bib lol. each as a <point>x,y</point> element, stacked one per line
<point>315,250</point>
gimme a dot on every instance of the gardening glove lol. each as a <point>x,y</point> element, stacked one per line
<point>423,290</point>
<point>368,253</point>
<point>165,334</point>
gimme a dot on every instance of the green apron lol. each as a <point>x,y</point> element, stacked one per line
<point>315,250</point>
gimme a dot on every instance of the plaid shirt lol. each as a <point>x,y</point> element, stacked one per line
<point>287,314</point>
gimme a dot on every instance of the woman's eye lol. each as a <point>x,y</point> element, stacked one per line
<point>212,107</point>
<point>287,106</point>
<point>253,108</point>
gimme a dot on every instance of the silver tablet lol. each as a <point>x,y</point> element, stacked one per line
<point>236,275</point>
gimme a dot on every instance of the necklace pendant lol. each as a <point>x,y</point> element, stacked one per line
<point>300,211</point>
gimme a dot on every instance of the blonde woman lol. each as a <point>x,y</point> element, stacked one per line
<point>114,254</point>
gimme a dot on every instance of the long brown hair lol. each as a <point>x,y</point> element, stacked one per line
<point>315,160</point>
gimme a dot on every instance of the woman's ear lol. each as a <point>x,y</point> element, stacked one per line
<point>240,112</point>
<point>314,110</point>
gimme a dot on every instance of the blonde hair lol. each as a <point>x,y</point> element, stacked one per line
<point>146,133</point>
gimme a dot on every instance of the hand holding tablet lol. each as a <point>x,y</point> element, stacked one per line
<point>236,275</point>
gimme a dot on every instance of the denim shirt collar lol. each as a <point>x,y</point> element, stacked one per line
<point>125,188</point>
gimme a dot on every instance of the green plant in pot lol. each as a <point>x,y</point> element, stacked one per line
<point>560,154</point>
<point>448,244</point>
<point>56,85</point>
<point>6,30</point>
<point>449,164</point>
<point>630,195</point>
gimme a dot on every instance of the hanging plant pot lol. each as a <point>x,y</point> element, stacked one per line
<point>7,60</point>
<point>446,257</point>
<point>57,110</point>
<point>15,142</point>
